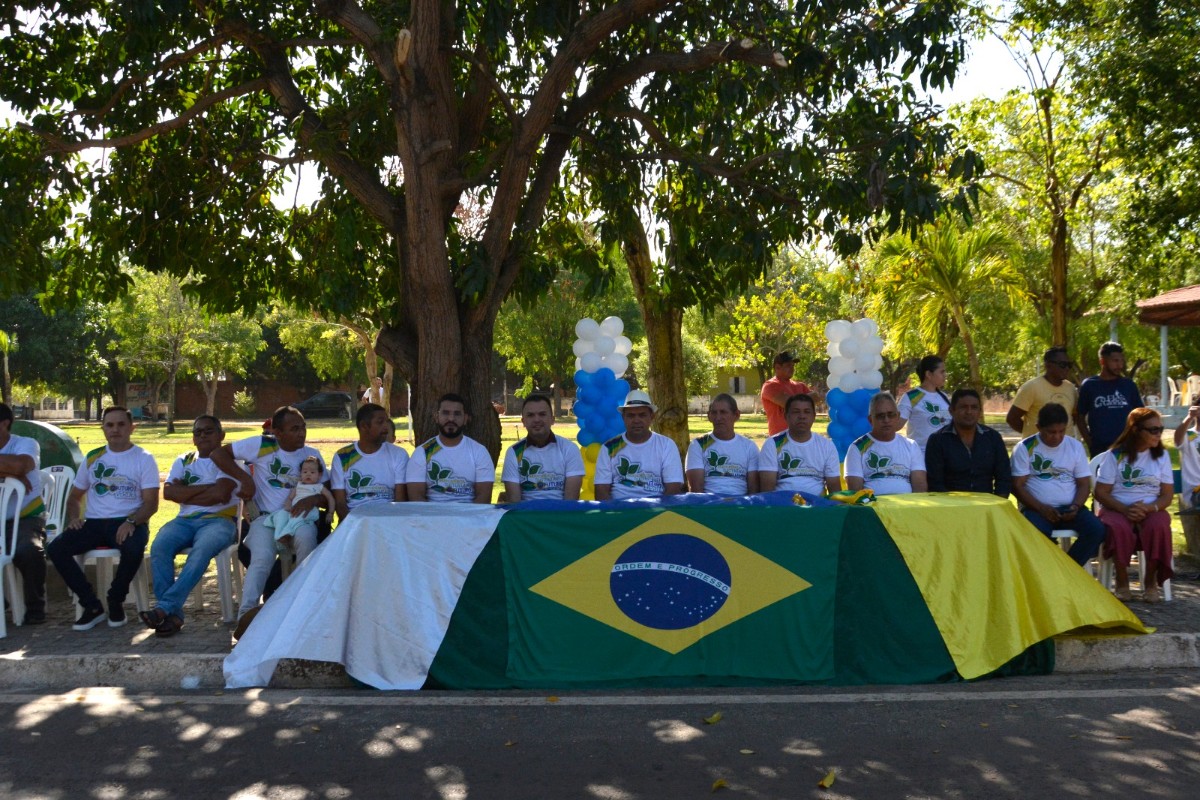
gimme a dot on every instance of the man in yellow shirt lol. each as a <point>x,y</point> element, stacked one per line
<point>1050,387</point>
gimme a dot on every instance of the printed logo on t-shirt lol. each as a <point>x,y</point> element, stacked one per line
<point>1114,400</point>
<point>361,487</point>
<point>1043,468</point>
<point>533,479</point>
<point>934,420</point>
<point>718,466</point>
<point>281,477</point>
<point>109,483</point>
<point>632,475</point>
<point>1130,476</point>
<point>441,480</point>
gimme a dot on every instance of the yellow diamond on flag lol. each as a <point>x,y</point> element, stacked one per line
<point>670,582</point>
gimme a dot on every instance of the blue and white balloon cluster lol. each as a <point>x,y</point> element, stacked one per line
<point>601,359</point>
<point>855,357</point>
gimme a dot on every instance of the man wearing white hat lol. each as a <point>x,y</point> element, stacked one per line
<point>639,462</point>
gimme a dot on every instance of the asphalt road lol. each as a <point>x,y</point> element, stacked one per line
<point>1057,737</point>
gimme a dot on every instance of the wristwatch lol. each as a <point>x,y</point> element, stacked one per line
<point>131,521</point>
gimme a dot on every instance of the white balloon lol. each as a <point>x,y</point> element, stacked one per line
<point>604,345</point>
<point>587,329</point>
<point>582,346</point>
<point>618,363</point>
<point>849,382</point>
<point>578,364</point>
<point>833,349</point>
<point>878,361</point>
<point>623,345</point>
<point>850,346</point>
<point>872,344</point>
<point>865,362</point>
<point>839,365</point>
<point>836,330</point>
<point>612,327</point>
<point>865,327</point>
<point>872,379</point>
<point>591,362</point>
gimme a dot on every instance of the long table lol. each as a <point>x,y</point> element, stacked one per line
<point>694,591</point>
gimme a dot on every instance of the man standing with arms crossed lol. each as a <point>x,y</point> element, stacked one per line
<point>205,523</point>
<point>371,470</point>
<point>451,467</point>
<point>541,466</point>
<point>20,458</point>
<point>776,391</point>
<point>120,484</point>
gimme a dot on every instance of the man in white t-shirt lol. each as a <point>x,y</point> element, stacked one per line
<point>882,460</point>
<point>371,470</point>
<point>1052,480</point>
<point>275,461</point>
<point>722,462</point>
<point>20,458</point>
<point>639,462</point>
<point>114,496</point>
<point>541,466</point>
<point>451,467</point>
<point>799,460</point>
<point>374,393</point>
<point>205,523</point>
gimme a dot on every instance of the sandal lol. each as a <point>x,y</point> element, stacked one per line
<point>154,618</point>
<point>170,626</point>
<point>1152,595</point>
<point>1123,594</point>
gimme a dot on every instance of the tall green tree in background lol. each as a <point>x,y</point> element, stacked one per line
<point>223,343</point>
<point>928,283</point>
<point>403,108</point>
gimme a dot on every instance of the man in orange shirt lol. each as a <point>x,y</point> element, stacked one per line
<point>777,390</point>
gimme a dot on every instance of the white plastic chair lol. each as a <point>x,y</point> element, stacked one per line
<point>1176,397</point>
<point>229,576</point>
<point>12,494</point>
<point>56,488</point>
<point>1108,571</point>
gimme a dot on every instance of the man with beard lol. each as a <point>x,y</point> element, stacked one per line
<point>541,466</point>
<point>1105,400</point>
<point>451,467</point>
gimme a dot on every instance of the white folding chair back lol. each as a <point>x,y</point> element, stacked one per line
<point>56,489</point>
<point>12,500</point>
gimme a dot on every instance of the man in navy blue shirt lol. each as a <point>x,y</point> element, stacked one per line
<point>1105,401</point>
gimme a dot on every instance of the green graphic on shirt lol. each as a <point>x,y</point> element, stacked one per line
<point>99,473</point>
<point>189,478</point>
<point>357,481</point>
<point>436,475</point>
<point>527,471</point>
<point>788,464</point>
<point>878,464</point>
<point>626,469</point>
<point>278,471</point>
<point>1129,475</point>
<point>1043,468</point>
<point>934,420</point>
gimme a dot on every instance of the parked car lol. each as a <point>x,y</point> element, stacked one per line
<point>327,404</point>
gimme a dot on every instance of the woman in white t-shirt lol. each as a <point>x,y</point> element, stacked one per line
<point>926,409</point>
<point>1135,486</point>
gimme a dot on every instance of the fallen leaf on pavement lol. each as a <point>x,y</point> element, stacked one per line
<point>828,780</point>
<point>746,752</point>
<point>719,783</point>
<point>714,719</point>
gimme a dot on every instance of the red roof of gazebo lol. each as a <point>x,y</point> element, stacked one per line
<point>1178,308</point>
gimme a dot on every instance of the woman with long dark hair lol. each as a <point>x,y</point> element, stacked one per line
<point>926,408</point>
<point>1134,486</point>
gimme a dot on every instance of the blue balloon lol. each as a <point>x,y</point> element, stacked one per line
<point>583,379</point>
<point>624,384</point>
<point>604,377</point>
<point>583,409</point>
<point>836,398</point>
<point>838,431</point>
<point>586,437</point>
<point>861,399</point>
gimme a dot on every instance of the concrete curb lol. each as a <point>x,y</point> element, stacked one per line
<point>197,671</point>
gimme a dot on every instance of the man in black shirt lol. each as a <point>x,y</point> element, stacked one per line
<point>966,456</point>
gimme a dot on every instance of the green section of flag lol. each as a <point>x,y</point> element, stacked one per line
<point>861,619</point>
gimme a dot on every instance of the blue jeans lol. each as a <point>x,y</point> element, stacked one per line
<point>1089,529</point>
<point>207,538</point>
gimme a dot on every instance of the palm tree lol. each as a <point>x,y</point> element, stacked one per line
<point>926,284</point>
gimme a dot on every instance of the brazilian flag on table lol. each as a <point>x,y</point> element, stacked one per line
<point>719,595</point>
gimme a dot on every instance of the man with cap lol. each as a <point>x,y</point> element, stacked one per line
<point>639,462</point>
<point>1105,400</point>
<point>1050,387</point>
<point>776,391</point>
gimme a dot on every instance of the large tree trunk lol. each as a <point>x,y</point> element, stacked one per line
<point>170,402</point>
<point>1059,255</point>
<point>210,394</point>
<point>664,335</point>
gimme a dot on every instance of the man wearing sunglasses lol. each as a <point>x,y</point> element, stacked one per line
<point>1051,386</point>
